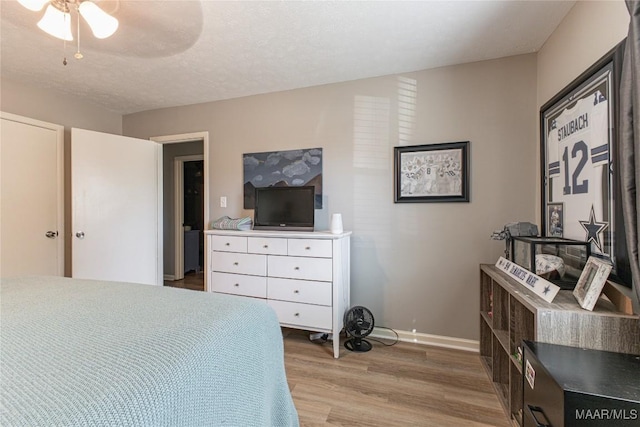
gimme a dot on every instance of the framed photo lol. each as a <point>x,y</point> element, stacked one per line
<point>591,281</point>
<point>578,151</point>
<point>432,173</point>
<point>555,219</point>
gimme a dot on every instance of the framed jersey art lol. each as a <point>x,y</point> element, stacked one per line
<point>579,184</point>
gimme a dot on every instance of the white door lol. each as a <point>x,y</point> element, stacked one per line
<point>116,214</point>
<point>31,197</point>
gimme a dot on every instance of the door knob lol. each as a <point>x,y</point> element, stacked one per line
<point>80,234</point>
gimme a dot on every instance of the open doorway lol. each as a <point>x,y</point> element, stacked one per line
<point>185,208</point>
<point>189,222</point>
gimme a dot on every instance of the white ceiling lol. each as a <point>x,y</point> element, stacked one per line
<point>170,53</point>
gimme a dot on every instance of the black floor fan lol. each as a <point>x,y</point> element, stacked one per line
<point>358,323</point>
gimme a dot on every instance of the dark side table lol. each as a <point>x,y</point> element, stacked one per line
<point>570,386</point>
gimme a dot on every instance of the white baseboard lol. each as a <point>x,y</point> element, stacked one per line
<point>428,339</point>
<point>169,277</point>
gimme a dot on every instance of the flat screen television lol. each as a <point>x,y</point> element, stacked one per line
<point>284,208</point>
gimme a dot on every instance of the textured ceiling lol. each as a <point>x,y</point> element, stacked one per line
<point>170,53</point>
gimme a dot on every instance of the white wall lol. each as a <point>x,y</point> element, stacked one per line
<point>414,265</point>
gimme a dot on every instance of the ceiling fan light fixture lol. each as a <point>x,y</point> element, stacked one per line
<point>34,5</point>
<point>56,23</point>
<point>101,23</point>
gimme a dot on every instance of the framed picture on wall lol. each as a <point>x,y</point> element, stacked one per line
<point>578,152</point>
<point>290,168</point>
<point>432,173</point>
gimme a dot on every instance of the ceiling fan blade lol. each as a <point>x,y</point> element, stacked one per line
<point>33,5</point>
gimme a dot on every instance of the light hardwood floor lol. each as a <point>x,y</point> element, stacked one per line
<point>193,281</point>
<point>403,385</point>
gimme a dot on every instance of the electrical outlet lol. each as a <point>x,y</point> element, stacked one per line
<point>223,202</point>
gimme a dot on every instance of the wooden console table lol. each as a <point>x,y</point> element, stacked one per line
<point>510,313</point>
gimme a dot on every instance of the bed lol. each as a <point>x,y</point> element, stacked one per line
<point>91,353</point>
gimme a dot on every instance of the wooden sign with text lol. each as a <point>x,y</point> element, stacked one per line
<point>541,287</point>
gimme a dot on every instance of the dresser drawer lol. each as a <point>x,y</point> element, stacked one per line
<point>310,247</point>
<point>300,268</point>
<point>229,262</point>
<point>304,291</point>
<point>238,284</point>
<point>268,246</point>
<point>229,243</point>
<point>302,315</point>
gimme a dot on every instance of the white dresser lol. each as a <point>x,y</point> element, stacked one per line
<point>303,276</point>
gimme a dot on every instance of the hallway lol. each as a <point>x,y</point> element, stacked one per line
<point>192,280</point>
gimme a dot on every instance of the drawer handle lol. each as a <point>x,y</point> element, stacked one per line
<point>235,263</point>
<point>227,244</point>
<point>308,248</point>
<point>297,315</point>
<point>237,285</point>
<point>265,246</point>
<point>296,268</point>
<point>536,409</point>
<point>296,291</point>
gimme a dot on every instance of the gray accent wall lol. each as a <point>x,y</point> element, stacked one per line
<point>416,266</point>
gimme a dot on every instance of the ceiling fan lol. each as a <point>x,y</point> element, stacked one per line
<point>56,20</point>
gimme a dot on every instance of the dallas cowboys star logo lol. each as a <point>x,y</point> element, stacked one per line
<point>547,289</point>
<point>593,229</point>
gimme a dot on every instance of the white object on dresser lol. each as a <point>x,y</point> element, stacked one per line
<point>303,276</point>
<point>336,223</point>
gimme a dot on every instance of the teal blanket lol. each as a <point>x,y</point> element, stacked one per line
<point>91,353</point>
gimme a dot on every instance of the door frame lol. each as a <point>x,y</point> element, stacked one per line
<point>179,236</point>
<point>178,215</point>
<point>59,130</point>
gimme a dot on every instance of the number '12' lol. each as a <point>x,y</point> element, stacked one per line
<point>581,150</point>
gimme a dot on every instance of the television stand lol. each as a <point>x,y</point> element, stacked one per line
<point>511,313</point>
